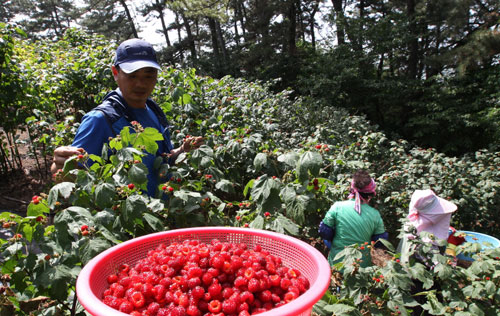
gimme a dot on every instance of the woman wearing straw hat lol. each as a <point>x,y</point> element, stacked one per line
<point>353,221</point>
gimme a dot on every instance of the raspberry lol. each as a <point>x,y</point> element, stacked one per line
<point>138,299</point>
<point>131,186</point>
<point>253,285</point>
<point>197,292</point>
<point>214,306</point>
<point>118,291</point>
<point>244,313</point>
<point>153,308</point>
<point>289,296</point>
<point>193,310</point>
<point>249,274</point>
<point>125,281</point>
<point>240,282</point>
<point>275,280</point>
<point>285,283</point>
<point>229,306</point>
<point>84,227</point>
<point>293,273</point>
<point>265,296</point>
<point>215,289</point>
<point>190,278</point>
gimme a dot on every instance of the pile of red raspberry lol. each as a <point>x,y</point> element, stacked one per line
<point>191,278</point>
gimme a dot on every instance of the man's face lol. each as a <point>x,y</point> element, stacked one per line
<point>137,86</point>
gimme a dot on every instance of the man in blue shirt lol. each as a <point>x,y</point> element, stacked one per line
<point>135,70</point>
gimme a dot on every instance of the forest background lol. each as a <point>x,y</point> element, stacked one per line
<point>418,69</point>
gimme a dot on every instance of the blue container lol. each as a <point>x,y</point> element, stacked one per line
<point>474,237</point>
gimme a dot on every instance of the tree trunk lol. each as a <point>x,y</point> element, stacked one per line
<point>191,44</point>
<point>312,25</point>
<point>179,37</point>
<point>58,28</point>
<point>292,28</point>
<point>339,21</point>
<point>222,43</point>
<point>160,7</point>
<point>215,45</point>
<point>129,17</point>
<point>413,44</point>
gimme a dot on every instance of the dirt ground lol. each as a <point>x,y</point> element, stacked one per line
<point>18,186</point>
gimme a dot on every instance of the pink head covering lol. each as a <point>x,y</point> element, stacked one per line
<point>370,188</point>
<point>429,212</point>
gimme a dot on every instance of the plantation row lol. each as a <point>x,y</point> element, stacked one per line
<point>256,169</point>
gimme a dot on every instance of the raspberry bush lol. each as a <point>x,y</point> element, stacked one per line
<point>270,161</point>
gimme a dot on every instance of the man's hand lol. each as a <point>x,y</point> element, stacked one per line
<point>61,154</point>
<point>192,142</point>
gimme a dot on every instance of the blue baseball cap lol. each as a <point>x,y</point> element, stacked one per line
<point>134,54</point>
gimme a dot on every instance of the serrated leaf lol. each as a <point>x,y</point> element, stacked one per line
<point>289,159</point>
<point>92,248</point>
<point>259,161</point>
<point>257,223</point>
<point>154,222</point>
<point>308,164</point>
<point>135,206</point>
<point>225,186</point>
<point>286,225</point>
<point>296,204</point>
<point>104,195</point>
<point>37,209</point>
<point>148,138</point>
<point>342,309</point>
<point>203,156</point>
<point>62,189</point>
<point>138,173</point>
<point>248,187</point>
<point>58,277</point>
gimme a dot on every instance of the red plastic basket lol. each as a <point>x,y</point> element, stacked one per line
<point>294,253</point>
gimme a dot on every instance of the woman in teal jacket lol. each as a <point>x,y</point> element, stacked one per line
<point>353,221</point>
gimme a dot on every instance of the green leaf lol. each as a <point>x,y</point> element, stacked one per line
<point>309,164</point>
<point>154,222</point>
<point>257,223</point>
<point>225,186</point>
<point>177,94</point>
<point>138,173</point>
<point>148,138</point>
<point>58,277</point>
<point>296,204</point>
<point>62,189</point>
<point>37,209</point>
<point>135,206</point>
<point>290,159</point>
<point>342,309</point>
<point>202,157</point>
<point>92,248</point>
<point>265,190</point>
<point>248,187</point>
<point>283,225</point>
<point>260,161</point>
<point>104,195</point>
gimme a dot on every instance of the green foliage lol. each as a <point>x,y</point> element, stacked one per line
<point>262,154</point>
<point>431,285</point>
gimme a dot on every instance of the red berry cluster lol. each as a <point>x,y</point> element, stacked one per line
<point>192,278</point>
